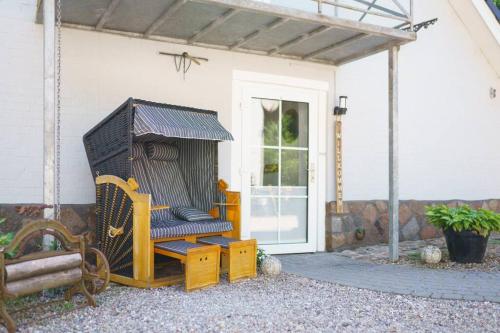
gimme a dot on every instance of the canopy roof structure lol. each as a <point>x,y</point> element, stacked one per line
<point>247,26</point>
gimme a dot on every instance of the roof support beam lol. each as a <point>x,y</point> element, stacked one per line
<point>393,155</point>
<point>273,25</point>
<point>299,39</point>
<point>335,46</point>
<point>104,17</point>
<point>212,25</point>
<point>168,13</point>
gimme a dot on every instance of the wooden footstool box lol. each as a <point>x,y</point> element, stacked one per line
<point>201,262</point>
<point>239,257</point>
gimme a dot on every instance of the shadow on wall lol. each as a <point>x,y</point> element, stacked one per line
<point>367,222</point>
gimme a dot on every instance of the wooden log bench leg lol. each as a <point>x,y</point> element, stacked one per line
<point>239,258</point>
<point>28,273</point>
<point>201,262</point>
<point>7,319</point>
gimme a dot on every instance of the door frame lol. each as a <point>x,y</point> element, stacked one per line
<point>241,81</point>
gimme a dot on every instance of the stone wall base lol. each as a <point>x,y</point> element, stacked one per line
<point>77,218</point>
<point>372,217</point>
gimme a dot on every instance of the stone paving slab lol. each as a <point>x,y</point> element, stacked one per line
<point>399,279</point>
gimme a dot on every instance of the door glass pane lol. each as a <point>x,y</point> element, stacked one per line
<point>265,122</point>
<point>295,124</point>
<point>264,171</point>
<point>293,220</point>
<point>294,172</point>
<point>264,220</point>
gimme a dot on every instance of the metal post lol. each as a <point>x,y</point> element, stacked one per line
<point>393,155</point>
<point>48,105</point>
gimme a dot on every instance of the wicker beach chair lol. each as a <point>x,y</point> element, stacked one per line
<point>157,193</point>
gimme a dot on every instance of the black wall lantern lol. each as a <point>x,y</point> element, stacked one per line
<point>341,109</point>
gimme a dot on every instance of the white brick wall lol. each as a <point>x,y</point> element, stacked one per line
<point>21,104</point>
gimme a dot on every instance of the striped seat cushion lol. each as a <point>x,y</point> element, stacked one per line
<point>177,228</point>
<point>191,214</point>
<point>180,247</point>
<point>217,240</point>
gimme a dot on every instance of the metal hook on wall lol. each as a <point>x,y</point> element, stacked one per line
<point>183,61</point>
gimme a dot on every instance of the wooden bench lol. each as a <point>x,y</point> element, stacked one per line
<point>23,274</point>
<point>201,262</point>
<point>239,257</point>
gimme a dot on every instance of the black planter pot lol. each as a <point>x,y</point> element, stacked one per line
<point>465,246</point>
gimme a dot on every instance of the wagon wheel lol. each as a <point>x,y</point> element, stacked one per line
<point>96,271</point>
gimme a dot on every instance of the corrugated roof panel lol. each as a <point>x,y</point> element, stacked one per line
<point>268,27</point>
<point>84,12</point>
<point>134,16</point>
<point>189,19</point>
<point>240,25</point>
<point>322,40</point>
<point>280,35</point>
<point>354,48</point>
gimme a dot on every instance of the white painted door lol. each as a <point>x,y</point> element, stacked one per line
<point>279,158</point>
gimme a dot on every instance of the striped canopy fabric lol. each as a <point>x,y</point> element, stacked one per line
<point>173,121</point>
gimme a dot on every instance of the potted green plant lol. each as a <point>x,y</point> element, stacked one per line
<point>466,230</point>
<point>360,233</point>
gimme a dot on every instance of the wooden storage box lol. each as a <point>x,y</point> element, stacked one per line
<point>201,262</point>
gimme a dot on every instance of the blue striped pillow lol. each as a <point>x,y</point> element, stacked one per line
<point>191,214</point>
<point>162,152</point>
<point>138,151</point>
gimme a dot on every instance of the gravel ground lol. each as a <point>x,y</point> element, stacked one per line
<point>285,303</point>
